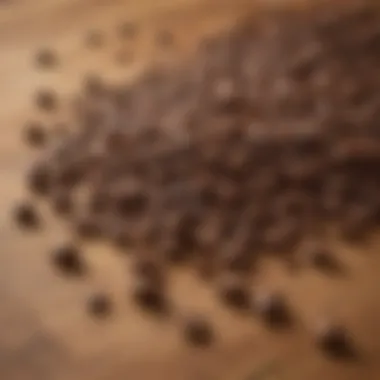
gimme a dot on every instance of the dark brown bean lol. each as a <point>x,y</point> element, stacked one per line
<point>88,227</point>
<point>26,215</point>
<point>35,134</point>
<point>272,308</point>
<point>67,259</point>
<point>99,305</point>
<point>233,292</point>
<point>198,332</point>
<point>46,100</point>
<point>334,340</point>
<point>40,178</point>
<point>149,296</point>
<point>46,58</point>
<point>131,203</point>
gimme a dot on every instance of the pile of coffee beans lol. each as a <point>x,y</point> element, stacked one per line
<point>269,135</point>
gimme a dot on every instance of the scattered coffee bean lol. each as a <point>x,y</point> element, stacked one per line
<point>39,179</point>
<point>99,305</point>
<point>26,216</point>
<point>46,100</point>
<point>88,228</point>
<point>334,340</point>
<point>46,58</point>
<point>273,309</point>
<point>67,259</point>
<point>35,134</point>
<point>233,292</point>
<point>321,257</point>
<point>198,332</point>
<point>149,297</point>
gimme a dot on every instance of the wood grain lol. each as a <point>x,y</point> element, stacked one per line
<point>44,330</point>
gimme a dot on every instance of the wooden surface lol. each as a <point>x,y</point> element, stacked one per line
<point>44,330</point>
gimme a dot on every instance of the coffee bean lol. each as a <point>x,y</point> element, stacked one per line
<point>88,227</point>
<point>26,216</point>
<point>46,58</point>
<point>35,134</point>
<point>131,203</point>
<point>233,292</point>
<point>66,258</point>
<point>198,332</point>
<point>334,340</point>
<point>46,100</point>
<point>39,179</point>
<point>69,175</point>
<point>320,257</point>
<point>99,305</point>
<point>149,297</point>
<point>272,308</point>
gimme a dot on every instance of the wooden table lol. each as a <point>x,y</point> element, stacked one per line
<point>44,330</point>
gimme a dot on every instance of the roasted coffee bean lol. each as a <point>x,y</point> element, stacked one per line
<point>233,292</point>
<point>46,58</point>
<point>334,340</point>
<point>39,179</point>
<point>69,176</point>
<point>321,257</point>
<point>35,134</point>
<point>198,332</point>
<point>149,296</point>
<point>99,305</point>
<point>272,308</point>
<point>131,203</point>
<point>88,227</point>
<point>46,100</point>
<point>66,258</point>
<point>26,215</point>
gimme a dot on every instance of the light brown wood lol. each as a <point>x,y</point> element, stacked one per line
<point>44,330</point>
